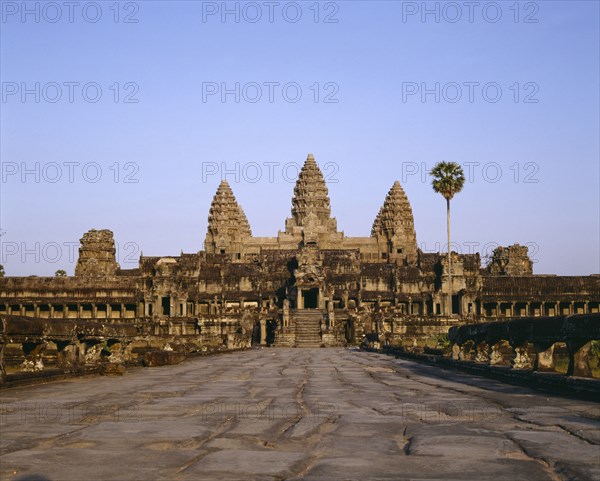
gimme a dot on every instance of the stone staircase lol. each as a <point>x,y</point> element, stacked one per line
<point>308,327</point>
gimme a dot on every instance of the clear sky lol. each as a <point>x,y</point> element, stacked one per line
<point>127,115</point>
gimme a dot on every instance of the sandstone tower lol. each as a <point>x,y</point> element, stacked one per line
<point>512,260</point>
<point>311,211</point>
<point>228,226</point>
<point>97,254</point>
<point>394,227</point>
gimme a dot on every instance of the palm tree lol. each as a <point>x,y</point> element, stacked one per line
<point>448,180</point>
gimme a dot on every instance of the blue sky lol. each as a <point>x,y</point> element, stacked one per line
<point>346,86</point>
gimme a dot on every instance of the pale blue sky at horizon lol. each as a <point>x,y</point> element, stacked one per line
<point>377,91</point>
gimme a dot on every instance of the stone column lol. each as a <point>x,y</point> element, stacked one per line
<point>572,307</point>
<point>497,309</point>
<point>523,358</point>
<point>286,312</point>
<point>544,357</point>
<point>108,310</point>
<point>51,308</point>
<point>263,332</point>
<point>528,309</point>
<point>557,309</point>
<point>498,356</point>
<point>65,311</point>
<point>586,307</point>
<point>581,358</point>
<point>482,354</point>
<point>34,359</point>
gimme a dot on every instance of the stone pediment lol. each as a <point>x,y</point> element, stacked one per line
<point>166,260</point>
<point>310,268</point>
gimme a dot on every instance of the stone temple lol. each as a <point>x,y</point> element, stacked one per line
<point>309,286</point>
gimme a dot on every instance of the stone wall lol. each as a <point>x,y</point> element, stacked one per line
<point>59,346</point>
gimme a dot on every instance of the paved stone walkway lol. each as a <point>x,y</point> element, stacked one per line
<point>314,414</point>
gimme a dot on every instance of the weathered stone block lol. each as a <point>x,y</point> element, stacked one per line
<point>162,358</point>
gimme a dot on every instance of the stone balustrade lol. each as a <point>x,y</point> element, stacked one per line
<point>532,343</point>
<point>40,345</point>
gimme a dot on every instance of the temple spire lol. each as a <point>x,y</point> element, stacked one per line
<point>228,226</point>
<point>394,226</point>
<point>310,203</point>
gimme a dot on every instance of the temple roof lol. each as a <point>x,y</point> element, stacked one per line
<point>310,194</point>
<point>310,203</point>
<point>226,216</point>
<point>395,214</point>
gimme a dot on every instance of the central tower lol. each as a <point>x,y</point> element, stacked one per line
<point>311,211</point>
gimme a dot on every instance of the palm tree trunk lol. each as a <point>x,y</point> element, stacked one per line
<point>449,260</point>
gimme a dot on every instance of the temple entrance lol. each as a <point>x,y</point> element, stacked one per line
<point>271,330</point>
<point>350,332</point>
<point>166,306</point>
<point>455,304</point>
<point>310,298</point>
<point>256,334</point>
